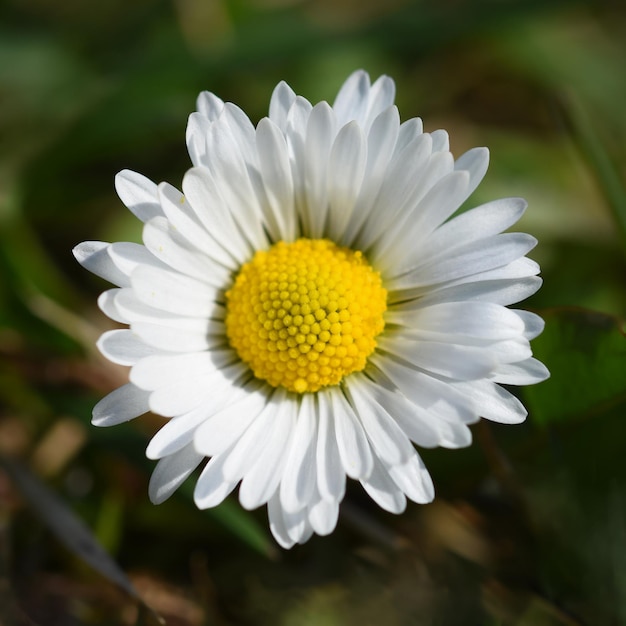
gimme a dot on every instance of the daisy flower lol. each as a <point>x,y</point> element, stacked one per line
<point>308,308</point>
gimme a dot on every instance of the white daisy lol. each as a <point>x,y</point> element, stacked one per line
<point>307,309</point>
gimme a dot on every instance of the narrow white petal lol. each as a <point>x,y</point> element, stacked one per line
<point>414,421</point>
<point>331,477</point>
<point>474,258</point>
<point>493,402</point>
<point>94,256</point>
<point>277,523</point>
<point>160,370</point>
<point>299,479</point>
<point>352,99</point>
<point>323,516</point>
<point>232,179</point>
<point>123,347</point>
<point>346,169</point>
<point>226,244</point>
<point>139,194</point>
<point>209,105</point>
<point>441,141</point>
<point>413,479</point>
<point>195,136</point>
<point>171,472</point>
<point>170,248</point>
<point>212,487</point>
<point>354,448</point>
<point>179,397</point>
<point>387,439</point>
<point>106,303</point>
<point>533,324</point>
<point>503,292</point>
<point>227,425</point>
<point>256,437</point>
<point>479,223</point>
<point>319,140</point>
<point>475,162</point>
<point>526,372</point>
<point>121,405</point>
<point>173,292</point>
<point>281,101</point>
<point>383,490</point>
<point>459,362</point>
<point>264,476</point>
<point>381,142</point>
<point>381,96</point>
<point>277,179</point>
<point>129,256</point>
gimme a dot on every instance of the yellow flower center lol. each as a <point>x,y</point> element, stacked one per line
<point>305,314</point>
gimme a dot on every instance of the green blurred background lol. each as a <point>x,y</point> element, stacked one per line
<point>529,525</point>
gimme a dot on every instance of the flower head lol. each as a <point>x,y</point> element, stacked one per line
<point>309,308</point>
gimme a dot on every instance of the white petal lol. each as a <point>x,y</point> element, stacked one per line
<point>533,324</point>
<point>94,256</point>
<point>123,347</point>
<point>354,448</point>
<point>212,487</point>
<point>281,101</point>
<point>441,141</point>
<point>139,194</point>
<point>493,402</point>
<point>158,371</point>
<point>197,130</point>
<point>121,405</point>
<point>381,96</point>
<point>264,476</point>
<point>504,292</point>
<point>381,143</point>
<point>180,396</point>
<point>299,478</point>
<point>526,372</point>
<point>323,516</point>
<point>319,140</point>
<point>440,399</point>
<point>413,479</point>
<point>129,256</point>
<point>414,421</point>
<point>346,169</point>
<point>383,490</point>
<point>479,223</point>
<point>458,319</point>
<point>173,292</point>
<point>209,105</point>
<point>171,472</point>
<point>352,100</point>
<point>227,425</point>
<point>106,303</point>
<point>224,240</point>
<point>474,258</point>
<point>388,440</point>
<point>442,200</point>
<point>256,437</point>
<point>475,162</point>
<point>460,362</point>
<point>331,477</point>
<point>277,180</point>
<point>277,523</point>
<point>232,180</point>
<point>166,244</point>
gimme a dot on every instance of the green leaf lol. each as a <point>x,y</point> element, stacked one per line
<point>72,531</point>
<point>585,352</point>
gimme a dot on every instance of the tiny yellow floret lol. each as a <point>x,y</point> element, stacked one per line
<point>297,304</point>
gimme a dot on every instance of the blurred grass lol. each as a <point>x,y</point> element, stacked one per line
<point>528,527</point>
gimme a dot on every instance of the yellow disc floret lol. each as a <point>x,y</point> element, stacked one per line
<point>305,314</point>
